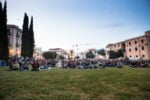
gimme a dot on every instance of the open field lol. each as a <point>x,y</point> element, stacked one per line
<point>76,84</point>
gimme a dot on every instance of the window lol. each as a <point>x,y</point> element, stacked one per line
<point>136,55</point>
<point>142,48</point>
<point>143,56</point>
<point>130,56</point>
<point>142,41</point>
<point>149,39</point>
<point>118,45</point>
<point>129,50</point>
<point>129,43</point>
<point>135,42</point>
<point>135,49</point>
<point>114,46</point>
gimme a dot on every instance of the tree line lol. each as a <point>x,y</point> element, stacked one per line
<point>28,42</point>
<point>4,52</point>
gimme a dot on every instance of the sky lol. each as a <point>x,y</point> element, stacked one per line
<point>88,23</point>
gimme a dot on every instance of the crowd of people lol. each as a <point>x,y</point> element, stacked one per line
<point>24,64</point>
<point>85,64</point>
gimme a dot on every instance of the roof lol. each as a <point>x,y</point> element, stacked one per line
<point>114,43</point>
<point>147,34</point>
<point>137,37</point>
<point>13,26</point>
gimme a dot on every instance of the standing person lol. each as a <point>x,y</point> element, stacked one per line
<point>35,66</point>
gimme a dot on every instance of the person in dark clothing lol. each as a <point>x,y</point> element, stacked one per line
<point>35,66</point>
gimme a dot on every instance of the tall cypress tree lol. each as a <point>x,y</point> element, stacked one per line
<point>5,53</point>
<point>1,35</point>
<point>25,37</point>
<point>31,38</point>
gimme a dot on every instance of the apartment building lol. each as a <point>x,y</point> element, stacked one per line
<point>14,38</point>
<point>137,48</point>
<point>59,52</point>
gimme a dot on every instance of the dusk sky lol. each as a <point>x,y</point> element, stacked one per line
<point>96,23</point>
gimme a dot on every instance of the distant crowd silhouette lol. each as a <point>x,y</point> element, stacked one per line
<point>24,64</point>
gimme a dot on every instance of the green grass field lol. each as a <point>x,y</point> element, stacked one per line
<point>76,84</point>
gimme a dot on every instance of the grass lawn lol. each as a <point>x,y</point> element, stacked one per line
<point>76,84</point>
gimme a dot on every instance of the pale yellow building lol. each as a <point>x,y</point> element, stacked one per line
<point>14,38</point>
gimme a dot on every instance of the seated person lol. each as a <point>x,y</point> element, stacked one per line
<point>35,66</point>
<point>15,65</point>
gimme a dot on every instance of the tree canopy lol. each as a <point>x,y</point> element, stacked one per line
<point>114,55</point>
<point>102,52</point>
<point>50,55</point>
<point>90,55</point>
<point>28,44</point>
<point>4,51</point>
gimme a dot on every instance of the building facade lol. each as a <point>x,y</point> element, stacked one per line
<point>14,40</point>
<point>59,52</point>
<point>37,53</point>
<point>137,48</point>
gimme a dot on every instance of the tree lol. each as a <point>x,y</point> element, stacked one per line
<point>90,55</point>
<point>1,35</point>
<point>120,53</point>
<point>5,35</point>
<point>61,57</point>
<point>101,52</point>
<point>31,38</point>
<point>25,37</point>
<point>114,55</point>
<point>50,55</point>
<point>4,52</point>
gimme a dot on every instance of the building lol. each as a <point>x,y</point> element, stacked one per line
<point>14,38</point>
<point>82,55</point>
<point>71,54</point>
<point>59,52</point>
<point>38,53</point>
<point>137,48</point>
